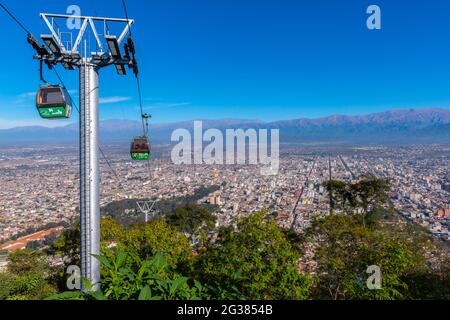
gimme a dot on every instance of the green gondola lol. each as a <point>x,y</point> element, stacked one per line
<point>140,149</point>
<point>53,102</point>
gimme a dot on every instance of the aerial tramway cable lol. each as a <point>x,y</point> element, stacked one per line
<point>130,48</point>
<point>15,19</point>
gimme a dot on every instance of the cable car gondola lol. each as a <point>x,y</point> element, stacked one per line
<point>140,148</point>
<point>53,102</point>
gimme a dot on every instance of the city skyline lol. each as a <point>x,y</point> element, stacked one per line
<point>420,188</point>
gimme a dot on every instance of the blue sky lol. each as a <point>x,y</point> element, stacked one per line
<point>253,59</point>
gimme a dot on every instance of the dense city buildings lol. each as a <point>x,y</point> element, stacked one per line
<point>39,185</point>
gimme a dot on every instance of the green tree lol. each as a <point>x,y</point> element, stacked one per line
<point>192,219</point>
<point>430,283</point>
<point>8,285</point>
<point>253,261</point>
<point>347,248</point>
<point>369,193</point>
<point>146,240</point>
<point>68,245</point>
<point>429,277</point>
<point>341,195</point>
<point>23,262</point>
<point>142,239</point>
<point>363,196</point>
<point>126,276</point>
<point>27,277</point>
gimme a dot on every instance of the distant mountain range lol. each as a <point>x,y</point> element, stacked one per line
<point>412,126</point>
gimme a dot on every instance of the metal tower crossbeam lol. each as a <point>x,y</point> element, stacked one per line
<point>71,57</point>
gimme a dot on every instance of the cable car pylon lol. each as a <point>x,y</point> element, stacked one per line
<point>89,64</point>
